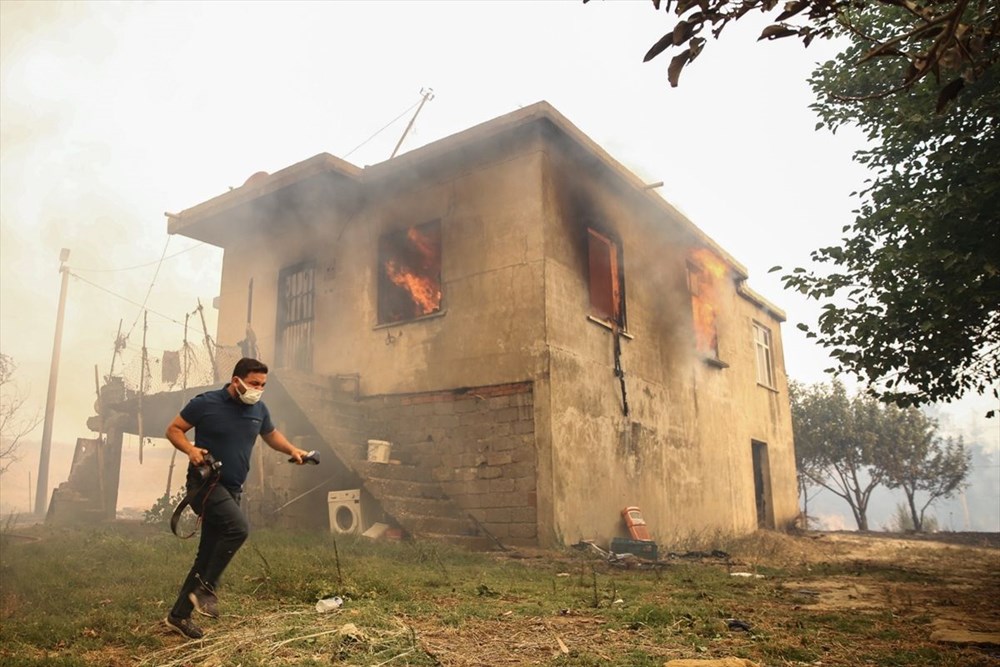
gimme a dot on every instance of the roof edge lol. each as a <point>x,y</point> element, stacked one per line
<point>750,295</point>
<point>317,164</point>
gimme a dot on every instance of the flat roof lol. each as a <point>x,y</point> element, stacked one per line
<point>261,185</point>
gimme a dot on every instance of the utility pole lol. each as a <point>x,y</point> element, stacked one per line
<point>428,94</point>
<point>41,492</point>
<point>143,367</point>
<point>184,386</point>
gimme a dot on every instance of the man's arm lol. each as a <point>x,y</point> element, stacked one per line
<point>177,435</point>
<point>278,442</point>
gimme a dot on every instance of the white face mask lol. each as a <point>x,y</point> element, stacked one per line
<point>251,395</point>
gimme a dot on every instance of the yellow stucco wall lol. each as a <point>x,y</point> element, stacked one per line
<point>683,454</point>
<point>515,305</point>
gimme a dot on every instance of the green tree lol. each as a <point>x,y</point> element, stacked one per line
<point>809,452</point>
<point>921,462</point>
<point>902,521</point>
<point>912,294</point>
<point>850,445</point>
<point>837,440</point>
<point>14,425</point>
<point>913,290</point>
<point>952,42</point>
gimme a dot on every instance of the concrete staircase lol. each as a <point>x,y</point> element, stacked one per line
<point>420,505</point>
<point>408,492</point>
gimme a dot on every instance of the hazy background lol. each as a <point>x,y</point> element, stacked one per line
<point>113,113</point>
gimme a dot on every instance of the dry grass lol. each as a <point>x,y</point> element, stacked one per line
<point>834,599</point>
<point>289,637</point>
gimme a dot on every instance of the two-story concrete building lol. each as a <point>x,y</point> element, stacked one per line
<point>543,339</point>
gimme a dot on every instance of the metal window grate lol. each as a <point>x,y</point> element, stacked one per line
<point>296,291</point>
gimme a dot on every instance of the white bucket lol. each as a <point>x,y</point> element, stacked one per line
<point>378,451</point>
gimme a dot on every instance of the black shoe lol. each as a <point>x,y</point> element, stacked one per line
<point>205,602</point>
<point>185,626</point>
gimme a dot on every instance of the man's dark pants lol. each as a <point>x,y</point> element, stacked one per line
<point>224,528</point>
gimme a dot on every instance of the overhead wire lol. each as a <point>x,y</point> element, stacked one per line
<point>142,266</point>
<point>164,256</point>
<point>384,128</point>
<point>125,298</point>
<point>150,290</point>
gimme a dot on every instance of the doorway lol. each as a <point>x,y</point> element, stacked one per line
<point>762,484</point>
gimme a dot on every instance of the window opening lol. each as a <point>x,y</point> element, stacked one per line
<point>765,358</point>
<point>409,273</point>
<point>607,292</point>
<point>296,289</point>
<point>704,272</point>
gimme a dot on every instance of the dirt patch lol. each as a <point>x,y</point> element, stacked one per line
<point>509,641</point>
<point>954,581</point>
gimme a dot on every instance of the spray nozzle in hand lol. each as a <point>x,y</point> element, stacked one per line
<point>310,457</point>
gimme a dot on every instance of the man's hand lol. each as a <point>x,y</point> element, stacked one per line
<point>197,456</point>
<point>296,455</point>
<point>279,443</point>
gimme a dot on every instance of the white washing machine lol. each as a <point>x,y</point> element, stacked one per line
<point>345,512</point>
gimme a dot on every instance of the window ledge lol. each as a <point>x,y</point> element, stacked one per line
<point>768,387</point>
<point>715,363</point>
<point>431,316</point>
<point>604,323</point>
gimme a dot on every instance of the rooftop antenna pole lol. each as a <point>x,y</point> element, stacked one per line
<point>41,492</point>
<point>428,94</point>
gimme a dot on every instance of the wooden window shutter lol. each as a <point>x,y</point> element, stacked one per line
<point>605,289</point>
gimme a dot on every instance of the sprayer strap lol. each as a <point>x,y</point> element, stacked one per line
<point>182,505</point>
<point>176,516</point>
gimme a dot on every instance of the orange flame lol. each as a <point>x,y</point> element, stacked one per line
<point>706,269</point>
<point>706,336</point>
<point>424,290</point>
<point>709,261</point>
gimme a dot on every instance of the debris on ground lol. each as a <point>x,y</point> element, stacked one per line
<point>329,604</point>
<point>737,624</point>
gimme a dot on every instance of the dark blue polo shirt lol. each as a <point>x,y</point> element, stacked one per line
<point>228,428</point>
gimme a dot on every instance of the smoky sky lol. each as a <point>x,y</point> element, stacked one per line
<point>113,113</point>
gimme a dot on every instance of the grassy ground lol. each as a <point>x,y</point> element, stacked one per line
<point>98,597</point>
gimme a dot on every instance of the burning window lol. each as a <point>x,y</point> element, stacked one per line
<point>765,360</point>
<point>606,285</point>
<point>704,272</point>
<point>409,278</point>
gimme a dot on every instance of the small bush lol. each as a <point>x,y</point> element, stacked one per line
<point>159,513</point>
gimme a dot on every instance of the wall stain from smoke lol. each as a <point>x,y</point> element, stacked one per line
<point>635,442</point>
